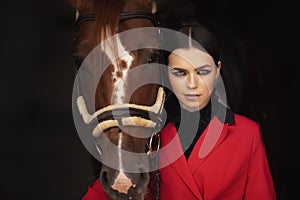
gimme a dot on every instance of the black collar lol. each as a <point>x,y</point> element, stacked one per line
<point>214,108</point>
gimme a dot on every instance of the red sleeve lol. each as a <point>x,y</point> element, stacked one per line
<point>95,192</point>
<point>259,181</point>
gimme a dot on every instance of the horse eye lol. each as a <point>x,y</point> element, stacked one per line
<point>78,60</point>
<point>153,57</point>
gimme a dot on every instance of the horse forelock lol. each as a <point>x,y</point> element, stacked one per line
<point>107,18</point>
<point>107,24</point>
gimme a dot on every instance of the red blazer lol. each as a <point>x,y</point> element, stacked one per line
<point>227,163</point>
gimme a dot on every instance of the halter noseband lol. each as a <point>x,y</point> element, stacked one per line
<point>120,115</point>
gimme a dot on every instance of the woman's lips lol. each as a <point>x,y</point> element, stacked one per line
<point>192,97</point>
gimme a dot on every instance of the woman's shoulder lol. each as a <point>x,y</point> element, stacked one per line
<point>243,121</point>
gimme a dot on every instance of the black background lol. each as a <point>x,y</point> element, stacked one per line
<point>42,156</point>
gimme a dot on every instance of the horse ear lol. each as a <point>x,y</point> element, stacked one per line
<point>154,6</point>
<point>76,4</point>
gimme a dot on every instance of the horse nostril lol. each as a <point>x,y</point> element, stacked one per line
<point>144,179</point>
<point>104,180</point>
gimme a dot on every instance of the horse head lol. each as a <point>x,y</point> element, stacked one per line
<point>127,98</point>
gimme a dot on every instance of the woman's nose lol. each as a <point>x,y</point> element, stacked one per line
<point>192,81</point>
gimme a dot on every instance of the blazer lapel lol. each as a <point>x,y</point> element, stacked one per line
<point>171,154</point>
<point>210,139</point>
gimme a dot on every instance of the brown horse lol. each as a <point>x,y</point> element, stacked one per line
<point>126,115</point>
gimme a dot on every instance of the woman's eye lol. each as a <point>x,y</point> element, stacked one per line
<point>179,73</point>
<point>203,72</point>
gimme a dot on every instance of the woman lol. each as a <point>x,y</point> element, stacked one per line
<point>207,152</point>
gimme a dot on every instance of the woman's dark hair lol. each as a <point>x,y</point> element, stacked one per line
<point>198,36</point>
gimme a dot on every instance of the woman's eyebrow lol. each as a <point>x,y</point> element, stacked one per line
<point>197,68</point>
<point>203,66</point>
<point>178,69</point>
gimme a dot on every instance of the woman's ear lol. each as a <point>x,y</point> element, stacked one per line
<point>219,69</point>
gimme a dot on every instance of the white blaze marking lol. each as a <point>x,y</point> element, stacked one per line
<point>119,152</point>
<point>119,93</point>
<point>119,84</point>
<point>122,183</point>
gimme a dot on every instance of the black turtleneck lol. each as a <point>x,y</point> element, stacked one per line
<point>191,126</point>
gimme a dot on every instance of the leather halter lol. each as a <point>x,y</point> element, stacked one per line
<point>124,114</point>
<point>140,14</point>
<point>112,115</point>
<point>123,17</point>
<point>128,114</point>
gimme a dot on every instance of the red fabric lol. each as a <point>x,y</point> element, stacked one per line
<point>227,163</point>
<point>95,192</point>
